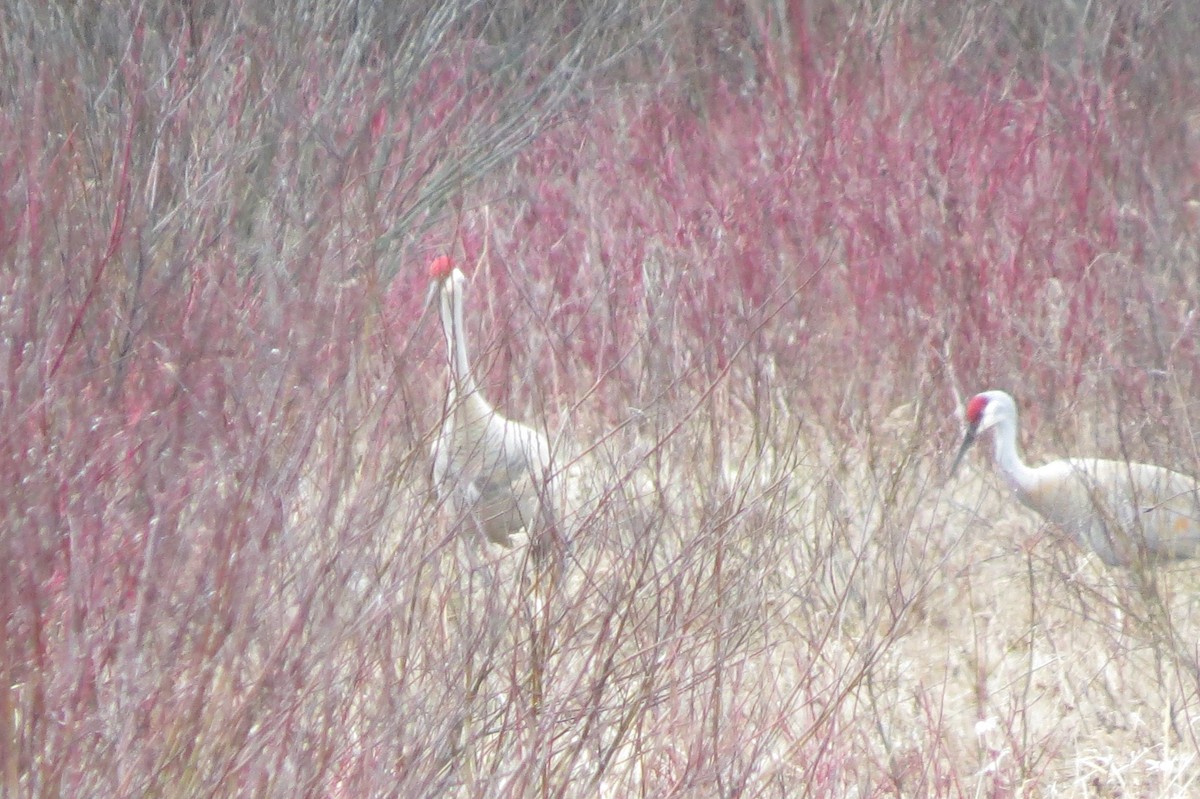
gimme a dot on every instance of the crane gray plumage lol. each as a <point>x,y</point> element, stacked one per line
<point>492,469</point>
<point>1127,513</point>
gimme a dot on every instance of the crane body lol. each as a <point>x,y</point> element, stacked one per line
<point>1127,513</point>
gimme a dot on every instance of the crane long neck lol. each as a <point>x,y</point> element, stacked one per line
<point>456,343</point>
<point>1008,456</point>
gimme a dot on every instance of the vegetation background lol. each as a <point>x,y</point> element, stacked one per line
<point>743,258</point>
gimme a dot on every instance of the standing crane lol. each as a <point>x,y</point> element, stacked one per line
<point>1128,513</point>
<point>494,470</point>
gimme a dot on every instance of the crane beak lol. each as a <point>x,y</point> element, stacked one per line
<point>429,295</point>
<point>968,440</point>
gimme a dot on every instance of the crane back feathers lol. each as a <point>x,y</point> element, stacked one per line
<point>1126,512</point>
<point>494,470</point>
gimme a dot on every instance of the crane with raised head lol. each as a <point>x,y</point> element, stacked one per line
<point>493,470</point>
<point>1127,513</point>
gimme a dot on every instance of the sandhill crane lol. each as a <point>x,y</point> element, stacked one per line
<point>494,470</point>
<point>1128,513</point>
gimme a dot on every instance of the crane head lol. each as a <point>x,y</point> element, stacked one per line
<point>983,411</point>
<point>442,273</point>
<point>440,268</point>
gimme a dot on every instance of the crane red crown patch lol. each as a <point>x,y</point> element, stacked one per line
<point>440,268</point>
<point>975,408</point>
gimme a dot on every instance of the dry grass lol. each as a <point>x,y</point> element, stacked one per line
<point>742,264</point>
